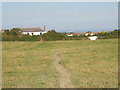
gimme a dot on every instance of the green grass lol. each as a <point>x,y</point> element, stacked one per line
<point>28,65</point>
<point>92,64</point>
<point>0,65</point>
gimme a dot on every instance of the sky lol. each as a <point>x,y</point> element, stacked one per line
<point>61,16</point>
<point>0,15</point>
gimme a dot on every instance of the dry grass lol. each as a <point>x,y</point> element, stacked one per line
<point>90,63</point>
<point>93,64</point>
<point>28,65</point>
<point>0,65</point>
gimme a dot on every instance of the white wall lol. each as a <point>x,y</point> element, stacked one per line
<point>93,37</point>
<point>34,33</point>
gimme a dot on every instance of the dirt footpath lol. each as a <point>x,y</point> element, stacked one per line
<point>64,76</point>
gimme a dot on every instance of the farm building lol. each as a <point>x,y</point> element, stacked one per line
<point>72,34</point>
<point>33,31</point>
<point>86,34</point>
<point>90,35</point>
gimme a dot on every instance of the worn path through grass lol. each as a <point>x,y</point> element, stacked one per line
<point>64,76</point>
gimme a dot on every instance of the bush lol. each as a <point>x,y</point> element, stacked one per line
<point>52,36</point>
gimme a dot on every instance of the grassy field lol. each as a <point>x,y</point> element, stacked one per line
<point>91,64</point>
<point>0,65</point>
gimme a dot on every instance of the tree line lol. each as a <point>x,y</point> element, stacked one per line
<point>15,35</point>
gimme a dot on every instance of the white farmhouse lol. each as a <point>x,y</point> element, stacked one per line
<point>33,31</point>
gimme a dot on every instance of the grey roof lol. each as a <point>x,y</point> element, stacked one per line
<point>31,30</point>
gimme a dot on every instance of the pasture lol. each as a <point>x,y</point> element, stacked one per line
<point>56,64</point>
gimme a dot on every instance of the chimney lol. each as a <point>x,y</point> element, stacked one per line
<point>44,28</point>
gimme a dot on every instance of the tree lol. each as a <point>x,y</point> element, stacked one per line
<point>102,32</point>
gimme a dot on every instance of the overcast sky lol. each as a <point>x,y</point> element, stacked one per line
<point>61,16</point>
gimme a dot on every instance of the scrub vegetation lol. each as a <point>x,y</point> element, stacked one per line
<point>15,35</point>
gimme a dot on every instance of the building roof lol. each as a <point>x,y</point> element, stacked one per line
<point>75,33</point>
<point>31,30</point>
<point>95,32</point>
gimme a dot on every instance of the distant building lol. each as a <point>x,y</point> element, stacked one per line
<point>72,34</point>
<point>69,34</point>
<point>33,31</point>
<point>93,37</point>
<point>91,33</point>
<point>86,34</point>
